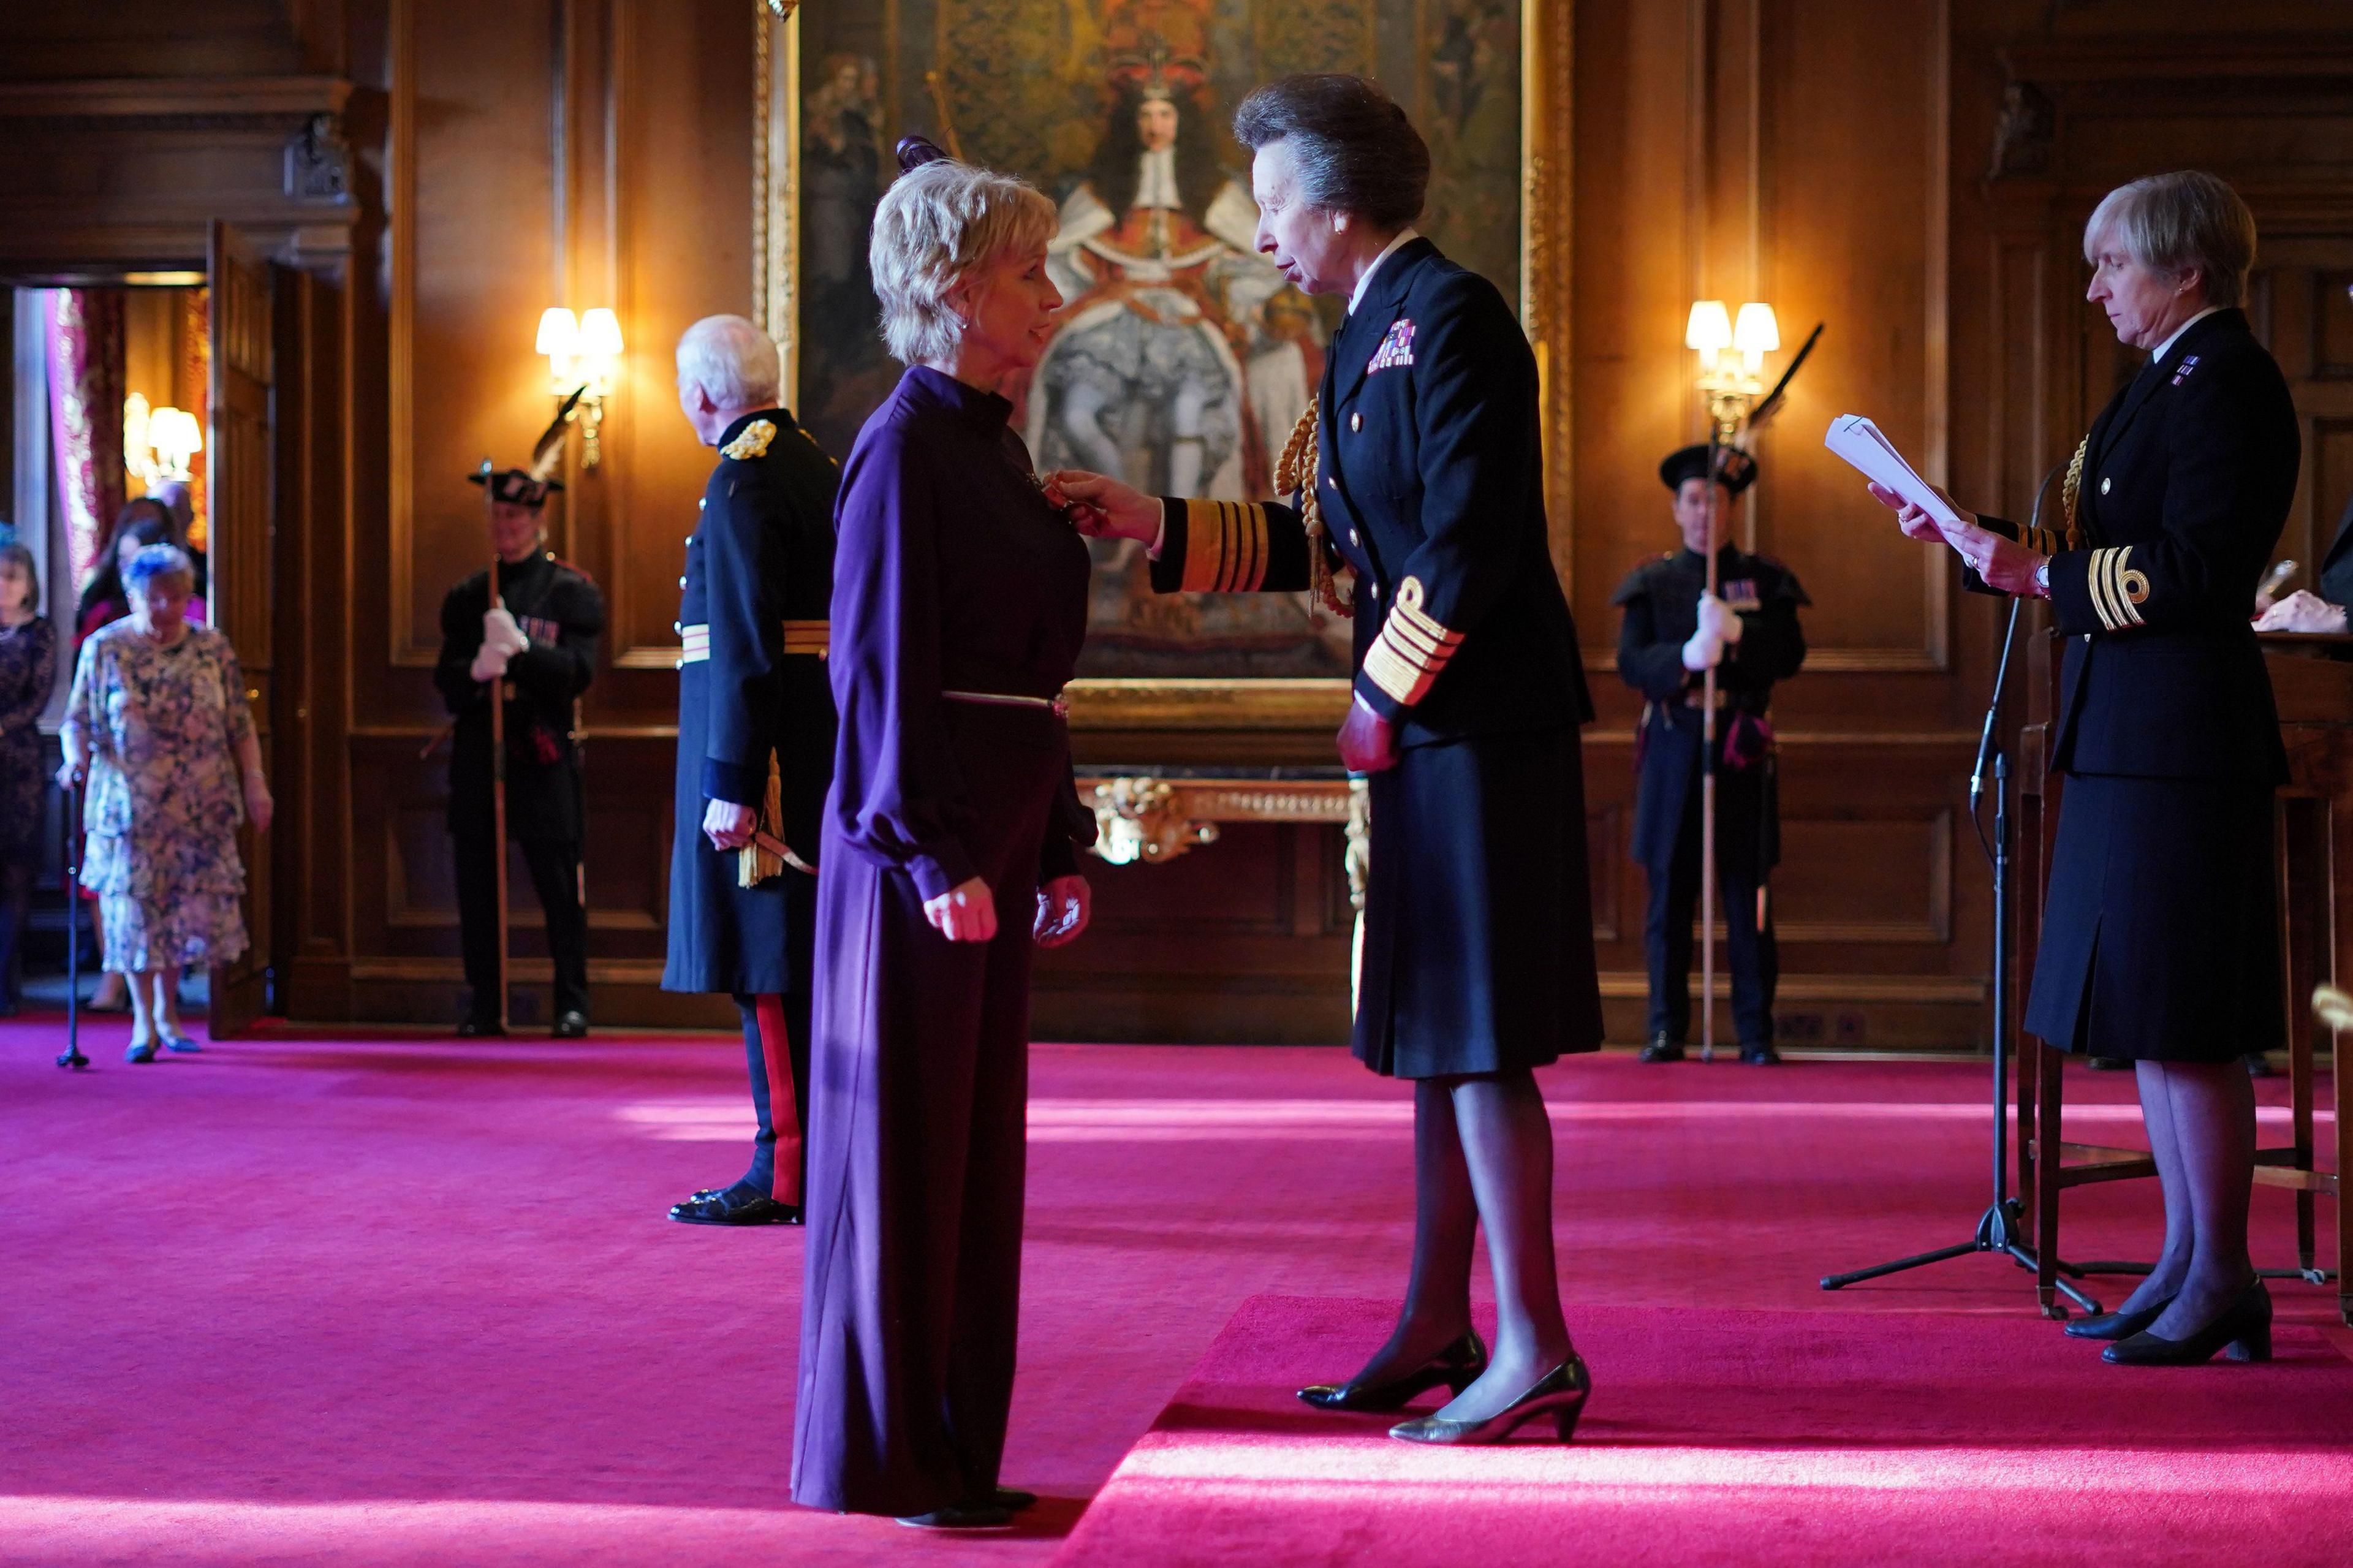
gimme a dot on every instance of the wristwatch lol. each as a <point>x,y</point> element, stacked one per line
<point>2042,579</point>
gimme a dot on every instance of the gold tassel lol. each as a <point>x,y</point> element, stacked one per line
<point>2072,487</point>
<point>1296,471</point>
<point>754,863</point>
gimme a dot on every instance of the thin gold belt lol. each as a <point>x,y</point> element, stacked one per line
<point>1058,704</point>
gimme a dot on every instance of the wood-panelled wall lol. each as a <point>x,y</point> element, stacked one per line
<point>1914,175</point>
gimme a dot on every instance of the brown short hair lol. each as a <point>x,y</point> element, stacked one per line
<point>1356,150</point>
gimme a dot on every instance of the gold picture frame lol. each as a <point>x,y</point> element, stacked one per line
<point>1247,704</point>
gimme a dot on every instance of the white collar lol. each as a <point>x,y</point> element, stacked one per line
<point>2185,326</point>
<point>1405,235</point>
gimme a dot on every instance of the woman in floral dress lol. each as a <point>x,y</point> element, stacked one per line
<point>157,724</point>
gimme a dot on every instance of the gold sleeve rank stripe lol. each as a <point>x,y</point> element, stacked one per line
<point>1412,650</point>
<point>1225,547</point>
<point>2117,590</point>
<point>811,637</point>
<point>2042,541</point>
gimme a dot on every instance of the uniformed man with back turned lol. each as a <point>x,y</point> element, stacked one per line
<point>1673,631</point>
<point>756,728</point>
<point>538,645</point>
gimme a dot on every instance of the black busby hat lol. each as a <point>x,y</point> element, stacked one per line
<point>513,487</point>
<point>530,487</point>
<point>1735,470</point>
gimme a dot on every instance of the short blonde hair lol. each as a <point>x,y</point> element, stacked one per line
<point>733,360</point>
<point>2173,223</point>
<point>935,227</point>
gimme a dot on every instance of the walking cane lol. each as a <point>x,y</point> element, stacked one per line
<point>71,1057</point>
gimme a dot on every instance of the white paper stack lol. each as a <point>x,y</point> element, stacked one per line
<point>1858,440</point>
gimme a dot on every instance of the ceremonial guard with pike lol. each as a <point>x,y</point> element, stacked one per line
<point>536,639</point>
<point>1674,630</point>
<point>755,739</point>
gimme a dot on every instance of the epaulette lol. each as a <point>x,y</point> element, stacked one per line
<point>562,564</point>
<point>751,441</point>
<point>1634,583</point>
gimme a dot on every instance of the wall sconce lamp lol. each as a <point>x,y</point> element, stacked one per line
<point>1731,386</point>
<point>583,353</point>
<point>158,442</point>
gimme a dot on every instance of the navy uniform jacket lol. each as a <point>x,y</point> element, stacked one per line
<point>560,610</point>
<point>2186,480</point>
<point>1661,600</point>
<point>1432,488</point>
<point>759,572</point>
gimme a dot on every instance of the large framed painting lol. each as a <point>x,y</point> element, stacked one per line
<point>1181,358</point>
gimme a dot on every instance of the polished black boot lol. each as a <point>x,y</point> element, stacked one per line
<point>2117,1325</point>
<point>1559,1393</point>
<point>2243,1331</point>
<point>1662,1049</point>
<point>1457,1366</point>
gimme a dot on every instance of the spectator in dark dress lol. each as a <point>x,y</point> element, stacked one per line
<point>28,667</point>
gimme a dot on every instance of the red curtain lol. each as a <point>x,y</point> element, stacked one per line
<point>85,365</point>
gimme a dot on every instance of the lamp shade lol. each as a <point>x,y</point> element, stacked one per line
<point>1757,333</point>
<point>600,334</point>
<point>1710,327</point>
<point>175,433</point>
<point>559,332</point>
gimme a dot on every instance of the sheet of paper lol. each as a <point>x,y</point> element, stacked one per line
<point>1855,438</point>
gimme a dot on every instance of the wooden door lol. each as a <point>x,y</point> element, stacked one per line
<point>241,465</point>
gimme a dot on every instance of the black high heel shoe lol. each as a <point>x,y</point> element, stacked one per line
<point>2116,1325</point>
<point>2243,1331</point>
<point>1457,1366</point>
<point>1559,1393</point>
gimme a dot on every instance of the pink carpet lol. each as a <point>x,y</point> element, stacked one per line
<point>1749,1437</point>
<point>394,1300</point>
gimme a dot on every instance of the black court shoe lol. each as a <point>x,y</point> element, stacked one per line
<point>2117,1325</point>
<point>1457,1366</point>
<point>1560,1394</point>
<point>1760,1056</point>
<point>1661,1049</point>
<point>987,1514</point>
<point>2243,1331</point>
<point>480,1027</point>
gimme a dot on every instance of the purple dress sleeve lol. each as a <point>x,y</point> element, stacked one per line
<point>899,794</point>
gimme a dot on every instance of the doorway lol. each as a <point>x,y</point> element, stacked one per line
<point>139,411</point>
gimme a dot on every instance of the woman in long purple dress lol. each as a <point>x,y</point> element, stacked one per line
<point>951,849</point>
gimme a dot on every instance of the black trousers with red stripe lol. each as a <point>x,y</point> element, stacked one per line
<point>775,1051</point>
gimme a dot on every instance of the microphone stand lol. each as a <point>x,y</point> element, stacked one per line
<point>2001,1228</point>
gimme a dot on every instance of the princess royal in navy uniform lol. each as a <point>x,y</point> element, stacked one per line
<point>2160,937</point>
<point>754,744</point>
<point>1418,470</point>
<point>951,846</point>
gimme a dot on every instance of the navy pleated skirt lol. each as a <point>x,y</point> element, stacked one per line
<point>2160,935</point>
<point>1479,909</point>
